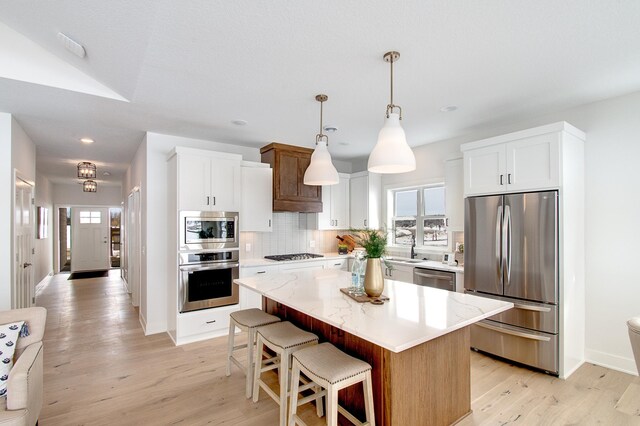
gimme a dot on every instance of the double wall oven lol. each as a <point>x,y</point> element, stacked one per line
<point>208,260</point>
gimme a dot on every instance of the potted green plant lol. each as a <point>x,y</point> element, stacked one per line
<point>374,242</point>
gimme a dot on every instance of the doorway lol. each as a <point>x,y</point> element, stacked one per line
<point>23,282</point>
<point>64,240</point>
<point>115,222</point>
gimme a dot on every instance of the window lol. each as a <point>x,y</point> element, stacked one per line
<point>90,217</point>
<point>419,213</point>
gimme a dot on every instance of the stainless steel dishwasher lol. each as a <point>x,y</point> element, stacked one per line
<point>435,278</point>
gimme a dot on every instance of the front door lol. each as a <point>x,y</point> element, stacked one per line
<point>90,239</point>
<point>23,285</point>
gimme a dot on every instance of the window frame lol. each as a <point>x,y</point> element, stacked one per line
<point>420,216</point>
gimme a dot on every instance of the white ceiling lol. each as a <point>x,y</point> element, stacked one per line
<point>189,68</point>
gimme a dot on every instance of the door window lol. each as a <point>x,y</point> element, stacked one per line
<point>90,217</point>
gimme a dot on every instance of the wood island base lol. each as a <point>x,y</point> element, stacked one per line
<point>428,384</point>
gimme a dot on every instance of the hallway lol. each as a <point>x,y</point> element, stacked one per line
<point>100,368</point>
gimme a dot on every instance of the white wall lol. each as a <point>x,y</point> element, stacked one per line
<point>72,194</point>
<point>612,211</point>
<point>19,155</point>
<point>6,218</point>
<point>43,260</point>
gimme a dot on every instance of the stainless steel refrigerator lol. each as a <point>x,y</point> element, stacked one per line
<point>511,253</point>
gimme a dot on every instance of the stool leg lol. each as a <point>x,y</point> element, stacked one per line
<point>293,400</point>
<point>319,406</point>
<point>367,387</point>
<point>332,406</point>
<point>250,362</point>
<point>283,372</point>
<point>258,368</point>
<point>230,343</point>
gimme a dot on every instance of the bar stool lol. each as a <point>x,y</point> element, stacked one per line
<point>246,320</point>
<point>284,339</point>
<point>331,369</point>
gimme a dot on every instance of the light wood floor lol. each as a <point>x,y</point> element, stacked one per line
<point>100,369</point>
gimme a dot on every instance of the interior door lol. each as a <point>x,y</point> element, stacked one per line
<point>90,239</point>
<point>134,242</point>
<point>483,244</point>
<point>23,285</point>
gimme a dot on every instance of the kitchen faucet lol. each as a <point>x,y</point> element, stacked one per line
<point>413,246</point>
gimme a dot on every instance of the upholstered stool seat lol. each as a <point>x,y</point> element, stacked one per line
<point>246,320</point>
<point>330,369</point>
<point>284,339</point>
<point>634,335</point>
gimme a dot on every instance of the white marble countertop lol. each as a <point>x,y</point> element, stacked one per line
<point>413,315</point>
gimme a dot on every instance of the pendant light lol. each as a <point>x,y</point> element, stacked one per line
<point>392,154</point>
<point>89,186</point>
<point>86,170</point>
<point>321,170</point>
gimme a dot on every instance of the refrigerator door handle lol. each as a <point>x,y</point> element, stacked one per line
<point>506,238</point>
<point>498,242</point>
<point>531,308</point>
<point>513,332</point>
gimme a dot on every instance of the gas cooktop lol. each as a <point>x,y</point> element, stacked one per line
<point>294,256</point>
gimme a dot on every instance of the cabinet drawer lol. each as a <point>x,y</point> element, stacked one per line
<point>337,264</point>
<point>528,347</point>
<point>204,321</point>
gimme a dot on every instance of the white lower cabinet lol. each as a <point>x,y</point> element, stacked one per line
<point>249,298</point>
<point>342,264</point>
<point>203,324</point>
<point>398,272</point>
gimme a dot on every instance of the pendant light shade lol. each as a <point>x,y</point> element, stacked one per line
<point>321,170</point>
<point>392,154</point>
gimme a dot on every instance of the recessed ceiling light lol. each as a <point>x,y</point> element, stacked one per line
<point>106,174</point>
<point>330,129</point>
<point>448,108</point>
<point>239,122</point>
<point>87,140</point>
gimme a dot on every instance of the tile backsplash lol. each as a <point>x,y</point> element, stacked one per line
<point>289,235</point>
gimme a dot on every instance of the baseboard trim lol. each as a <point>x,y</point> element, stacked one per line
<point>614,362</point>
<point>200,337</point>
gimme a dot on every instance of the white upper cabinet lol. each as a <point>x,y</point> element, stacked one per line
<point>257,197</point>
<point>208,180</point>
<point>528,160</point>
<point>365,194</point>
<point>335,205</point>
<point>454,195</point>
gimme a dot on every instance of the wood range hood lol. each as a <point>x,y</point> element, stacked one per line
<point>289,163</point>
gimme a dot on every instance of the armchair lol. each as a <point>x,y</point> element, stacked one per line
<point>24,386</point>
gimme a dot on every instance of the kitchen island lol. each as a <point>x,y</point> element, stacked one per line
<point>417,342</point>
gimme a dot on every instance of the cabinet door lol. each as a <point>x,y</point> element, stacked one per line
<point>256,212</point>
<point>358,201</point>
<point>454,196</point>
<point>225,185</point>
<point>402,273</point>
<point>534,163</point>
<point>484,170</point>
<point>340,204</point>
<point>325,221</point>
<point>194,182</point>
